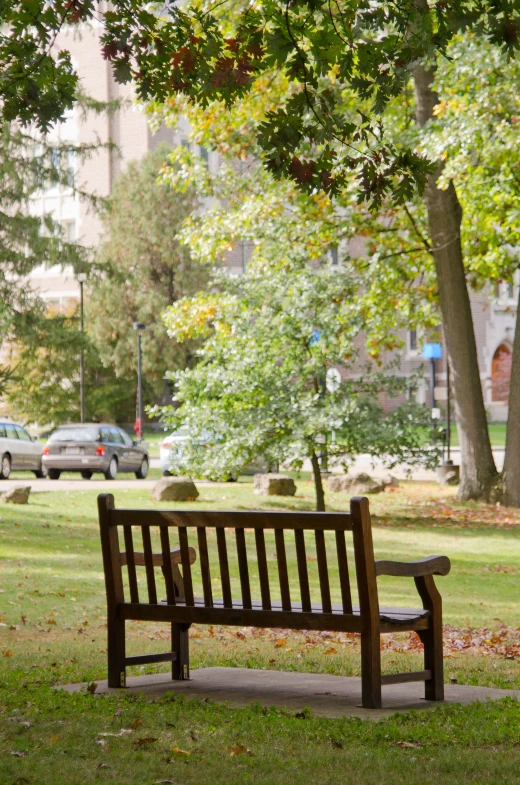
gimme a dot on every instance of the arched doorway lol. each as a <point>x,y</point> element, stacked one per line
<point>501,374</point>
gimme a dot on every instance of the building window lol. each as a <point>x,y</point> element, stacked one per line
<point>71,167</point>
<point>70,231</point>
<point>333,255</point>
<point>204,153</point>
<point>511,290</point>
<point>412,340</point>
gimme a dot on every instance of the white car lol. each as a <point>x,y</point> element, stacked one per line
<point>19,451</point>
<point>175,442</point>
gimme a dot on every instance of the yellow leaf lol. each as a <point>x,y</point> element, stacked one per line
<point>179,752</point>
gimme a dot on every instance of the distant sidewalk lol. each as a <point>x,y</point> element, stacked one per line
<point>373,466</point>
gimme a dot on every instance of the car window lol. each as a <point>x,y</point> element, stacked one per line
<point>22,434</point>
<point>2,430</point>
<point>127,439</point>
<point>11,431</point>
<point>105,435</point>
<point>78,434</point>
<point>115,436</point>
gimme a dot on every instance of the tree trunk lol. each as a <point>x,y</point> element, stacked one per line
<point>320,496</point>
<point>478,471</point>
<point>511,475</point>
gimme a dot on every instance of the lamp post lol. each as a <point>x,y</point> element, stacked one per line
<point>139,327</point>
<point>81,277</point>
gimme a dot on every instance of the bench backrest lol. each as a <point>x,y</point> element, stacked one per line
<point>132,538</point>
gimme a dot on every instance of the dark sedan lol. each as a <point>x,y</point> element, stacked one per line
<point>94,448</point>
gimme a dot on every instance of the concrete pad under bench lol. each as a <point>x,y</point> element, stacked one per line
<point>325,695</point>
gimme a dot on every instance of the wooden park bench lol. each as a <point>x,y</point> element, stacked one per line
<point>128,537</point>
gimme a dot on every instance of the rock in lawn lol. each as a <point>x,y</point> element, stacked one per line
<point>389,481</point>
<point>274,485</point>
<point>18,495</point>
<point>174,489</point>
<point>357,484</point>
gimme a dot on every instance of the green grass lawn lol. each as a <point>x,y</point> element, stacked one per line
<point>52,612</point>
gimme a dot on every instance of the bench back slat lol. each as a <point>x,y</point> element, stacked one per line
<point>204,566</point>
<point>303,573</point>
<point>130,561</point>
<point>263,572</point>
<point>282,569</point>
<point>224,568</point>
<point>243,568</point>
<point>148,563</point>
<point>186,566</point>
<point>167,565</point>
<point>344,580</point>
<point>323,571</point>
<point>215,519</point>
<point>290,565</point>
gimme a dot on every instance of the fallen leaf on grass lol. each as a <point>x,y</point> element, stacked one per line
<point>143,742</point>
<point>238,749</point>
<point>91,687</point>
<point>164,782</point>
<point>408,744</point>
<point>7,653</point>
<point>121,732</point>
<point>135,723</point>
<point>280,642</point>
<point>180,753</point>
<point>18,754</point>
<point>332,650</point>
<point>103,766</point>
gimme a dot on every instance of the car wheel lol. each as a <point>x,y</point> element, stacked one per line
<point>86,474</point>
<point>41,473</point>
<point>143,469</point>
<point>166,474</point>
<point>111,472</point>
<point>5,467</point>
<point>54,474</point>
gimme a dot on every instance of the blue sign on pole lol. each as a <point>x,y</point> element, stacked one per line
<point>432,351</point>
<point>315,337</point>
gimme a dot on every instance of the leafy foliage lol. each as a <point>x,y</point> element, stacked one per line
<point>143,270</point>
<point>260,386</point>
<point>215,53</point>
<point>44,387</point>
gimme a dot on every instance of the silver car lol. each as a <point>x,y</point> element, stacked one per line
<point>19,451</point>
<point>96,447</point>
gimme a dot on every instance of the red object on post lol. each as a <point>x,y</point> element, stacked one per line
<point>137,427</point>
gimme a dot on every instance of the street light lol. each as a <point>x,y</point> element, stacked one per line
<point>139,327</point>
<point>81,278</point>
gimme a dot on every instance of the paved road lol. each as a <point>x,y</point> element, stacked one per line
<point>364,463</point>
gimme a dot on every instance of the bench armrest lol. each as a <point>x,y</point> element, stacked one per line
<point>431,565</point>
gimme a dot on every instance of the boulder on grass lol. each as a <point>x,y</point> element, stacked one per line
<point>389,481</point>
<point>274,485</point>
<point>175,489</point>
<point>19,495</point>
<point>357,484</point>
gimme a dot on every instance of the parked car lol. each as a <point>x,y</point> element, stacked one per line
<point>172,449</point>
<point>94,448</point>
<point>19,450</point>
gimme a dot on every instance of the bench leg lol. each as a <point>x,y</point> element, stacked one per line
<point>180,644</point>
<point>370,670</point>
<point>116,653</point>
<point>432,639</point>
